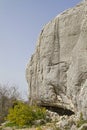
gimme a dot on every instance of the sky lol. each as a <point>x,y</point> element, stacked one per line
<point>20,24</point>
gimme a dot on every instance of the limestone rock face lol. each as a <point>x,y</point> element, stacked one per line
<point>57,71</point>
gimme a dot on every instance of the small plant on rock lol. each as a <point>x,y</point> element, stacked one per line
<point>81,120</point>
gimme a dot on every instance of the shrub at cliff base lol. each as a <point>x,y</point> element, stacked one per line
<point>23,114</point>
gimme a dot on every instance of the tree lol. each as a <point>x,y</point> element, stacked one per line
<point>8,95</point>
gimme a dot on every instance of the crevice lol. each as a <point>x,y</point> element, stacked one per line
<point>61,111</point>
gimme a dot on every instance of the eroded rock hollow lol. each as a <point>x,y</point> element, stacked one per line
<point>57,71</point>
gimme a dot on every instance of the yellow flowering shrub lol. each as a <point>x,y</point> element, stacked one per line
<point>23,114</point>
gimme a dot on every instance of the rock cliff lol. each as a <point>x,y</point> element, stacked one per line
<point>57,71</point>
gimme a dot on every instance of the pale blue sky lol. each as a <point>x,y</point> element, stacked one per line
<point>20,25</point>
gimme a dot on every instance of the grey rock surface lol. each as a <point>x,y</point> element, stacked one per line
<point>57,71</point>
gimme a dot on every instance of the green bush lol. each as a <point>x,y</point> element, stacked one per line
<point>23,114</point>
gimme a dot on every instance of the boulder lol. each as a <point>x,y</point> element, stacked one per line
<point>57,71</point>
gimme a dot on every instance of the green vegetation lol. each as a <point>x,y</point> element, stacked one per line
<point>84,128</point>
<point>81,120</point>
<point>9,124</point>
<point>24,115</point>
<point>57,128</point>
<point>39,128</point>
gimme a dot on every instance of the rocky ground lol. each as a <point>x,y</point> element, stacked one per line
<point>55,122</point>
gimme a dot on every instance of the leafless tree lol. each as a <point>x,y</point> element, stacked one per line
<point>8,95</point>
